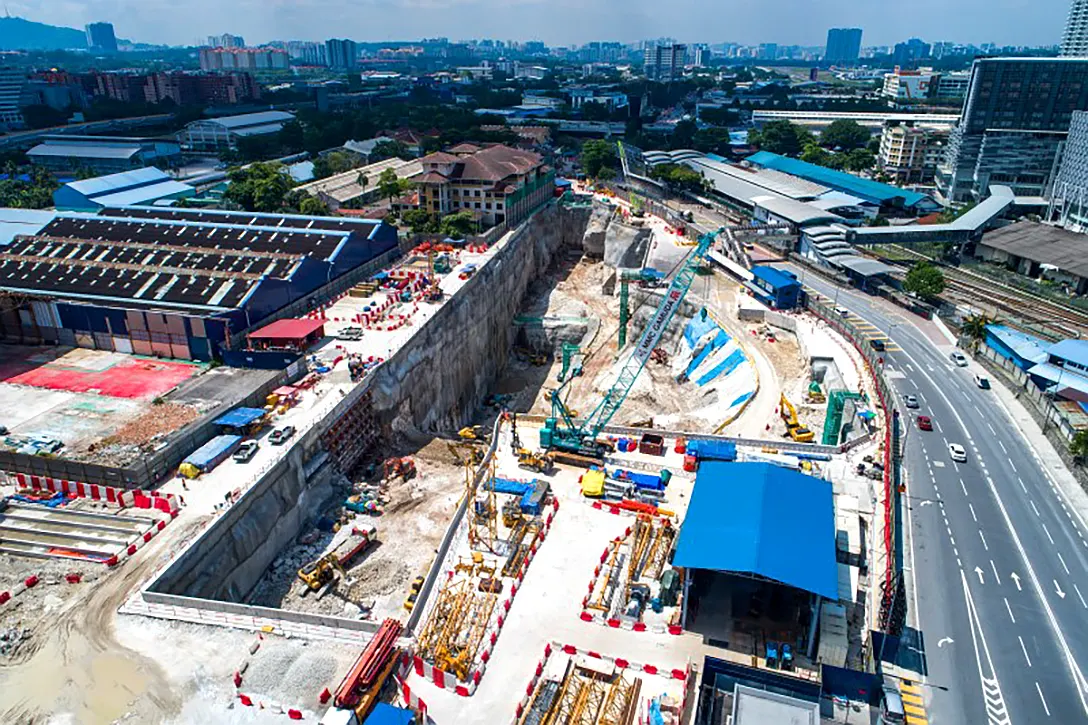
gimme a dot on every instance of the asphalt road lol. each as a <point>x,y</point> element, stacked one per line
<point>997,558</point>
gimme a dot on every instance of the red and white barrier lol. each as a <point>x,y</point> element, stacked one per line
<point>411,699</point>
<point>29,583</point>
<point>122,498</point>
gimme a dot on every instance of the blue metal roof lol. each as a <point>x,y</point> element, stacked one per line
<point>777,278</point>
<point>1025,346</point>
<point>240,417</point>
<point>762,519</point>
<point>840,180</point>
<point>386,714</point>
<point>1072,350</point>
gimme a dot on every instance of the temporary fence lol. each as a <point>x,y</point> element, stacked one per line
<point>119,497</point>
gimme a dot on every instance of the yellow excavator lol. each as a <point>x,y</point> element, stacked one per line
<point>794,428</point>
<point>473,433</point>
<point>537,461</point>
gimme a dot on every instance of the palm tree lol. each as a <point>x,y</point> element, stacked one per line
<point>974,327</point>
<point>1078,447</point>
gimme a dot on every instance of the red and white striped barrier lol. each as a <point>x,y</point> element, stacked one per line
<point>122,498</point>
<point>138,544</point>
<point>531,687</point>
<point>411,699</point>
<point>29,583</point>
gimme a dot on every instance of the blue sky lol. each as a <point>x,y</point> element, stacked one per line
<point>561,22</point>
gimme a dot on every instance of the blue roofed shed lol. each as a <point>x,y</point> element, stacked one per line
<point>386,714</point>
<point>128,188</point>
<point>762,520</point>
<point>774,287</point>
<point>1022,349</point>
<point>240,417</point>
<point>866,189</point>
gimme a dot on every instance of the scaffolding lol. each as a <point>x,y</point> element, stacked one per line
<point>587,696</point>
<point>456,628</point>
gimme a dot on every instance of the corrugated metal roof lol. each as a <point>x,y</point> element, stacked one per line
<point>1062,379</point>
<point>83,151</point>
<point>1027,347</point>
<point>1072,350</point>
<point>144,194</point>
<point>116,182</point>
<point>14,222</point>
<point>840,180</point>
<point>796,212</point>
<point>252,119</point>
<point>863,266</point>
<point>288,329</point>
<point>761,519</point>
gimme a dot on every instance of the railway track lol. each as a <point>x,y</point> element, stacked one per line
<point>1050,318</point>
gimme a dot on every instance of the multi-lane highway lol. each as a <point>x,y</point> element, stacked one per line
<point>997,557</point>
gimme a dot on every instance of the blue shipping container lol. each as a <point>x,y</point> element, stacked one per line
<point>212,453</point>
<point>706,450</point>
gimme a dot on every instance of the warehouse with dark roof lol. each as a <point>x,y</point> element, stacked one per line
<point>178,283</point>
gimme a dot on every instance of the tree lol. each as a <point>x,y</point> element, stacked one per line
<point>260,187</point>
<point>859,160</point>
<point>845,134</point>
<point>389,186</point>
<point>924,280</point>
<point>595,111</point>
<point>420,221</point>
<point>598,155</point>
<point>1078,447</point>
<point>458,225</point>
<point>683,134</point>
<point>781,137</point>
<point>362,180</point>
<point>333,163</point>
<point>312,206</point>
<point>388,149</point>
<point>974,327</point>
<point>678,177</point>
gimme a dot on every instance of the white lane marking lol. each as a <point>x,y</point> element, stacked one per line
<point>963,486</point>
<point>1012,466</point>
<point>996,711</point>
<point>1080,596</point>
<point>977,409</point>
<point>973,512</point>
<point>1033,508</point>
<point>1062,561</point>
<point>1043,699</point>
<point>1024,649</point>
<point>1048,534</point>
<point>987,548</point>
<point>1003,447</point>
<point>994,567</point>
<point>1007,607</point>
<point>1022,486</point>
<point>910,367</point>
<point>991,429</point>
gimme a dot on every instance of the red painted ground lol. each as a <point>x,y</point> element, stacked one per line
<point>133,378</point>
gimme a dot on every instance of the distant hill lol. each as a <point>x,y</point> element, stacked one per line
<point>20,34</point>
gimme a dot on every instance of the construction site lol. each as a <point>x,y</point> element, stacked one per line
<point>465,485</point>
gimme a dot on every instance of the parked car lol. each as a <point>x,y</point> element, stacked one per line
<point>924,423</point>
<point>280,435</point>
<point>877,345</point>
<point>957,452</point>
<point>891,704</point>
<point>246,451</point>
<point>958,358</point>
<point>982,382</point>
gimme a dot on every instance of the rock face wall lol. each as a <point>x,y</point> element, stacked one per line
<point>435,382</point>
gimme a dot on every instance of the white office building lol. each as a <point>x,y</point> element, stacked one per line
<point>1075,39</point>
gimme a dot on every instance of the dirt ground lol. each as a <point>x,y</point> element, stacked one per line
<point>414,519</point>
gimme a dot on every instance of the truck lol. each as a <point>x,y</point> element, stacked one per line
<point>209,455</point>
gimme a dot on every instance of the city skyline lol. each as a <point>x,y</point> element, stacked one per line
<point>787,22</point>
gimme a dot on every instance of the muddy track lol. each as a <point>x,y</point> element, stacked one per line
<point>81,669</point>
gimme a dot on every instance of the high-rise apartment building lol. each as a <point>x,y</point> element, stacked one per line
<point>768,51</point>
<point>226,40</point>
<point>1014,122</point>
<point>100,38</point>
<point>243,59</point>
<point>909,153</point>
<point>909,52</point>
<point>341,54</point>
<point>12,85</point>
<point>843,45</point>
<point>1075,39</point>
<point>665,62</point>
<point>1069,193</point>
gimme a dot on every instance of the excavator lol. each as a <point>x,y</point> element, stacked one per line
<point>561,431</point>
<point>473,433</point>
<point>794,428</point>
<point>323,570</point>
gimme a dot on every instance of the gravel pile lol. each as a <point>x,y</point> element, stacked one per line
<point>295,672</point>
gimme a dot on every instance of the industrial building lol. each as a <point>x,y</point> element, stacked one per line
<point>174,283</point>
<point>220,134</point>
<point>128,188</point>
<point>1039,250</point>
<point>104,154</point>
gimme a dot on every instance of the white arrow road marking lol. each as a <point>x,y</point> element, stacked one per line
<point>944,640</point>
<point>996,712</point>
<point>1058,590</point>
<point>1016,578</point>
<point>978,570</point>
<point>926,503</point>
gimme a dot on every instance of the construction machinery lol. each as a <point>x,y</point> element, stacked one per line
<point>363,683</point>
<point>794,429</point>
<point>325,569</point>
<point>592,692</point>
<point>815,393</point>
<point>475,565</point>
<point>394,468</point>
<point>462,453</point>
<point>833,423</point>
<point>456,628</point>
<point>473,433</point>
<point>537,461</point>
<point>413,593</point>
<point>572,361</point>
<point>561,430</point>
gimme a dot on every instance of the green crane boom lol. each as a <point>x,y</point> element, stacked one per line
<point>561,430</point>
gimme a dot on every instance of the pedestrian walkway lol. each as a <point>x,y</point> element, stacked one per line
<point>913,702</point>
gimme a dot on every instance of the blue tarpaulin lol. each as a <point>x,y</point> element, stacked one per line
<point>240,417</point>
<point>385,714</point>
<point>764,520</point>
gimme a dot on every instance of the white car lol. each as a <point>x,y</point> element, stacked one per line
<point>959,359</point>
<point>957,452</point>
